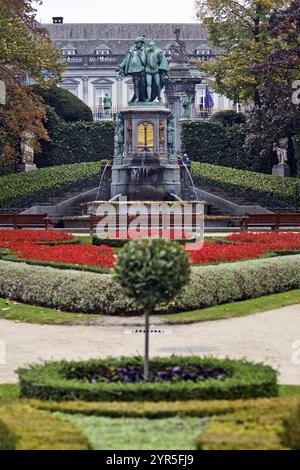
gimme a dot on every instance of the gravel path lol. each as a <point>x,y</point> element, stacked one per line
<point>267,337</point>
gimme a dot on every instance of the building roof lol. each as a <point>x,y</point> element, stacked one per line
<point>86,37</point>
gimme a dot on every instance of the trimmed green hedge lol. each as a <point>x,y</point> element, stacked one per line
<point>8,440</point>
<point>66,105</point>
<point>23,189</point>
<point>97,293</point>
<point>267,189</point>
<point>229,117</point>
<point>256,425</point>
<point>296,142</point>
<point>59,381</point>
<point>291,430</point>
<point>76,142</point>
<point>216,143</point>
<point>212,142</point>
<point>27,428</point>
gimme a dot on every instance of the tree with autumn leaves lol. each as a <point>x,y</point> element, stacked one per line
<point>279,114</point>
<point>25,51</point>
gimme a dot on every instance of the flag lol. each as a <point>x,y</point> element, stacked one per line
<point>208,101</point>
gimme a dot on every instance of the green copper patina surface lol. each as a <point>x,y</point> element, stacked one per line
<point>149,69</point>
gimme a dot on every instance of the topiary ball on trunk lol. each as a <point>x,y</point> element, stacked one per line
<point>152,271</point>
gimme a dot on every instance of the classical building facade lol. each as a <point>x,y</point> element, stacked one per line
<point>91,53</point>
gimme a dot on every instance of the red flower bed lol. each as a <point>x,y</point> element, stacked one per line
<point>86,255</point>
<point>34,236</point>
<point>271,240</point>
<point>216,252</point>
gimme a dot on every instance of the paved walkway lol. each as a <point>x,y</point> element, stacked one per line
<point>267,337</point>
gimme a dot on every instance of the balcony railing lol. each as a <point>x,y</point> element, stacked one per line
<point>108,59</point>
<point>90,60</point>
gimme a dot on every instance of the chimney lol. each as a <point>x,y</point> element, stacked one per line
<point>58,20</point>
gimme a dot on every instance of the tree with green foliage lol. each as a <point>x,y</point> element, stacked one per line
<point>152,272</point>
<point>241,29</point>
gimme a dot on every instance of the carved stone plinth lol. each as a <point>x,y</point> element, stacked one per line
<point>282,169</point>
<point>148,168</point>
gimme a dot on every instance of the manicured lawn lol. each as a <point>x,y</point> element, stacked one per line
<point>10,310</point>
<point>143,434</point>
<point>289,390</point>
<point>237,309</point>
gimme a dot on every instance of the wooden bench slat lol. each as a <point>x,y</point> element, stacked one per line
<point>275,221</point>
<point>21,220</point>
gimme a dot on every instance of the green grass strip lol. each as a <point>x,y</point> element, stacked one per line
<point>15,311</point>
<point>237,309</point>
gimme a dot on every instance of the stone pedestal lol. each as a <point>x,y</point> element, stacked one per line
<point>282,169</point>
<point>146,171</point>
<point>26,167</point>
<point>181,81</point>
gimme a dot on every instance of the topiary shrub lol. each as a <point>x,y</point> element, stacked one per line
<point>67,106</point>
<point>291,430</point>
<point>229,118</point>
<point>151,272</point>
<point>65,381</point>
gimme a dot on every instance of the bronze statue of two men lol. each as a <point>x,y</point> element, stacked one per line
<point>149,69</point>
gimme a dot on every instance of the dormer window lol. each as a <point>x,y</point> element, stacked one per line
<point>102,50</point>
<point>203,52</point>
<point>69,50</point>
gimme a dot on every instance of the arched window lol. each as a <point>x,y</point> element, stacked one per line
<point>146,136</point>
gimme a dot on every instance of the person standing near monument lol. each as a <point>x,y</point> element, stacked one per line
<point>134,64</point>
<point>156,66</point>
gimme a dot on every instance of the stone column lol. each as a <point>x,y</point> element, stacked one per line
<point>119,93</point>
<point>86,90</point>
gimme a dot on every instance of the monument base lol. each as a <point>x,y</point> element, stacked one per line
<point>147,169</point>
<point>148,183</point>
<point>282,169</point>
<point>26,168</point>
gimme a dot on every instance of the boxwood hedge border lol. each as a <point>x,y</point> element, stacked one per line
<point>8,440</point>
<point>55,381</point>
<point>85,292</point>
<point>273,191</point>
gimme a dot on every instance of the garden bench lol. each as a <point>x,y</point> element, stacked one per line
<point>275,221</point>
<point>25,220</point>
